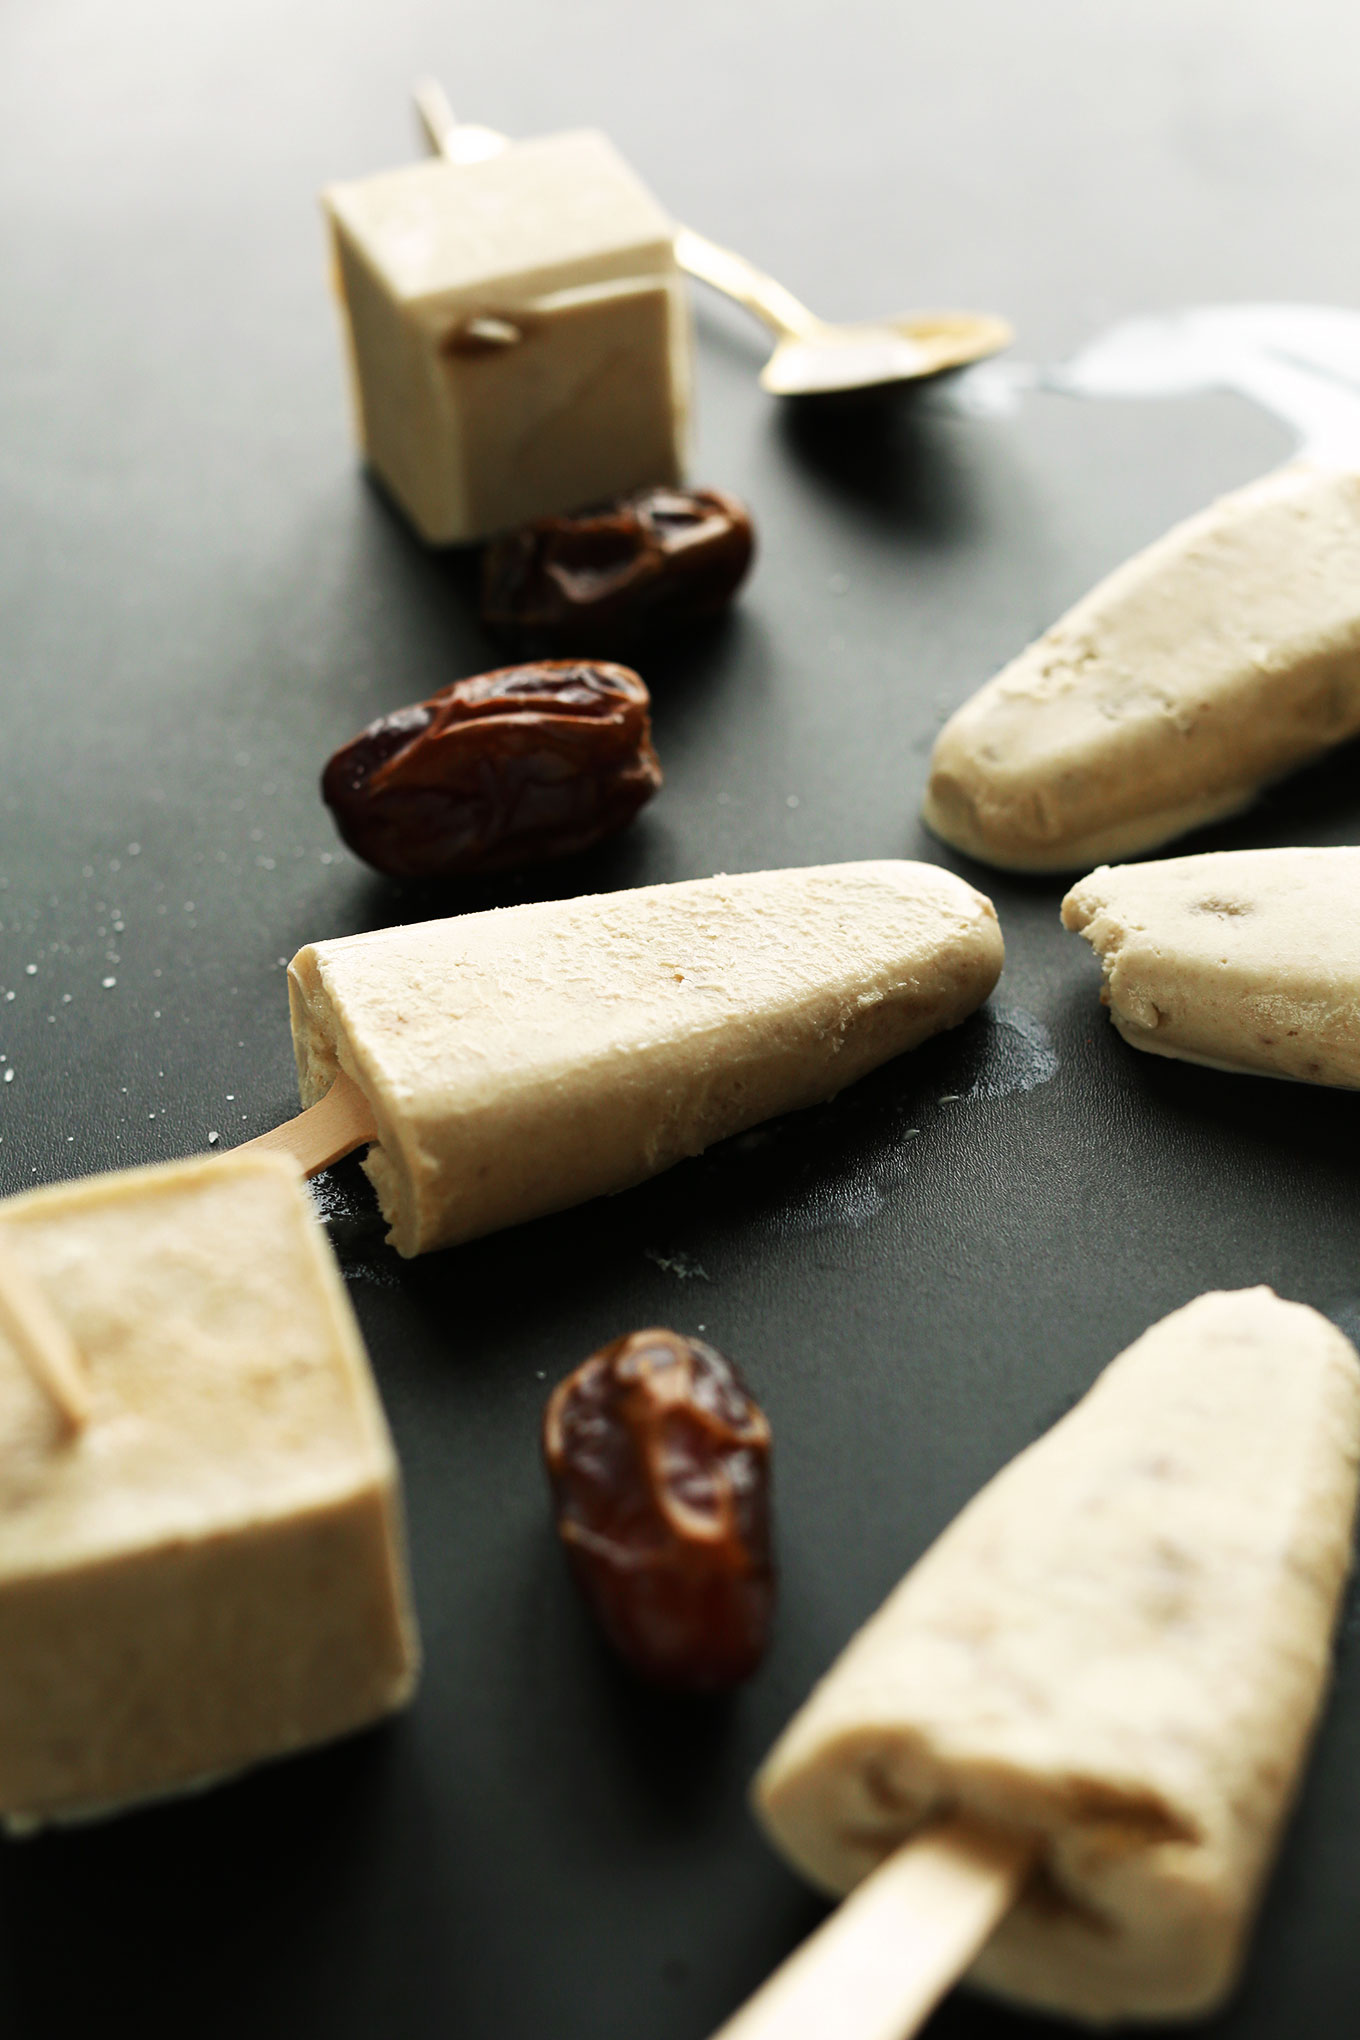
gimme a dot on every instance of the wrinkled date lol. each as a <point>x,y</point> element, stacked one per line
<point>504,769</point>
<point>605,575</point>
<point>659,1462</point>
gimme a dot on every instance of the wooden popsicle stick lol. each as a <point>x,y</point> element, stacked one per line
<point>325,1132</point>
<point>457,141</point>
<point>435,115</point>
<point>42,1341</point>
<point>885,1958</point>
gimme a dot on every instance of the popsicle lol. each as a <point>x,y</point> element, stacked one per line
<point>1247,960</point>
<point>516,330</point>
<point>1090,1701</point>
<point>201,1551</point>
<point>511,1063</point>
<point>1216,661</point>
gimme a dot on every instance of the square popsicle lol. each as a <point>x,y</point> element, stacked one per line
<point>209,1569</point>
<point>518,333</point>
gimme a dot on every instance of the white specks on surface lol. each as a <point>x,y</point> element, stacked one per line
<point>1018,1055</point>
<point>792,801</point>
<point>30,970</point>
<point>213,1139</point>
<point>1011,1052</point>
<point>108,983</point>
<point>9,1076</point>
<point>680,1265</point>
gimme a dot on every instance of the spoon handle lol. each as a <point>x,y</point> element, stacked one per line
<point>457,142</point>
<point>737,278</point>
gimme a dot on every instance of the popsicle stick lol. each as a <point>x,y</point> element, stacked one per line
<point>434,114</point>
<point>42,1341</point>
<point>457,141</point>
<point>325,1132</point>
<point>885,1958</point>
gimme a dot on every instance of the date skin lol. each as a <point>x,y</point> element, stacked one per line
<point>659,1464</point>
<point>501,770</point>
<point>605,576</point>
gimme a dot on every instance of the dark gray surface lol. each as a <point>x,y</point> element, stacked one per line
<point>201,598</point>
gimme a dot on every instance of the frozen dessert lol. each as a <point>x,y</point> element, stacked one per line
<point>1221,658</point>
<point>518,1061</point>
<point>1247,960</point>
<point>208,1569</point>
<point>517,333</point>
<point>1118,1651</point>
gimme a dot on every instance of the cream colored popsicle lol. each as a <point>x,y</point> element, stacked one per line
<point>522,1060</point>
<point>1247,960</point>
<point>1216,661</point>
<point>1117,1652</point>
<point>201,1560</point>
<point>517,332</point>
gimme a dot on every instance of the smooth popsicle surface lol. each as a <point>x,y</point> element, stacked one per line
<point>519,1061</point>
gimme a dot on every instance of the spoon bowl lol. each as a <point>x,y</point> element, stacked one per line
<point>906,349</point>
<point>813,357</point>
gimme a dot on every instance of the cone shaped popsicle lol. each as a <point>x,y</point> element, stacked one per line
<point>1222,657</point>
<point>1247,960</point>
<point>511,1063</point>
<point>1113,1661</point>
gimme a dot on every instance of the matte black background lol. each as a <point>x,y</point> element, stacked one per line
<point>202,597</point>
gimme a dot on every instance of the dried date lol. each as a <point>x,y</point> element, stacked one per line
<point>659,1463</point>
<point>604,576</point>
<point>500,770</point>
